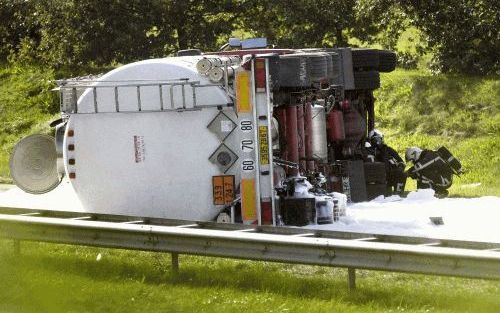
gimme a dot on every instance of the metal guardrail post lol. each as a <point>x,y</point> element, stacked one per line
<point>184,238</point>
<point>175,262</point>
<point>351,278</point>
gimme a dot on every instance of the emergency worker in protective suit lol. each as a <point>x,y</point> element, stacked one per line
<point>394,165</point>
<point>430,170</point>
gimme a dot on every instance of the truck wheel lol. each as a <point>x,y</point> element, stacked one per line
<point>294,71</point>
<point>366,80</point>
<point>365,58</point>
<point>387,61</point>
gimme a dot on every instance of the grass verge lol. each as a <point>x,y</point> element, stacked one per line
<point>61,278</point>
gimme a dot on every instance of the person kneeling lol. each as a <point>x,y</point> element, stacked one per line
<point>430,170</point>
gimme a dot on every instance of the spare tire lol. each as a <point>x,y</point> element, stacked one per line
<point>365,58</point>
<point>294,71</point>
<point>387,61</point>
<point>317,65</point>
<point>335,79</point>
<point>366,80</point>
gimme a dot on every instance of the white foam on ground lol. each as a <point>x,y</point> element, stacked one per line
<point>475,219</point>
<point>63,198</point>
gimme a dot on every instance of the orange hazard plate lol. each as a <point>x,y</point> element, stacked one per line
<point>223,189</point>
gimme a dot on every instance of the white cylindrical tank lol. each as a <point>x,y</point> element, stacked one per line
<point>149,163</point>
<point>319,142</point>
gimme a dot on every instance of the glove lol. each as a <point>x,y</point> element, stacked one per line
<point>411,173</point>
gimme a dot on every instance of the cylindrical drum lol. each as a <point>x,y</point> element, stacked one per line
<point>206,64</point>
<point>319,142</point>
<point>216,74</point>
<point>336,131</point>
<point>308,136</point>
<point>292,146</point>
<point>354,125</point>
<point>280,114</point>
<point>301,136</point>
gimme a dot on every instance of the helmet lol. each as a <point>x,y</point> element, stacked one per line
<point>376,137</point>
<point>413,153</point>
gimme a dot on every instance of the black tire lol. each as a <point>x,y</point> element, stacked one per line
<point>335,68</point>
<point>387,61</point>
<point>317,65</point>
<point>375,172</point>
<point>365,58</point>
<point>366,80</point>
<point>294,71</point>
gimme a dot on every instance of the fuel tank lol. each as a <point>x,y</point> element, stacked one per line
<point>125,154</point>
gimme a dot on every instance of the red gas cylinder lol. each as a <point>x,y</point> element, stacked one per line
<point>355,129</point>
<point>335,126</point>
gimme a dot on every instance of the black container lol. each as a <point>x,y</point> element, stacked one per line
<point>352,176</point>
<point>298,211</point>
<point>373,190</point>
<point>454,164</point>
<point>375,172</point>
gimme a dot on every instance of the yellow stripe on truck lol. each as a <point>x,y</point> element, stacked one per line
<point>248,209</point>
<point>243,103</point>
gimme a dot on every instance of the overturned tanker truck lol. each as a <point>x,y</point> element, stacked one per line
<point>248,135</point>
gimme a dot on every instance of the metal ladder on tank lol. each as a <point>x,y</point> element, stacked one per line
<point>71,90</point>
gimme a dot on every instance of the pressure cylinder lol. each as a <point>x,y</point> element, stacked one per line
<point>280,114</point>
<point>319,141</point>
<point>308,136</point>
<point>207,63</point>
<point>292,146</point>
<point>301,136</point>
<point>335,127</point>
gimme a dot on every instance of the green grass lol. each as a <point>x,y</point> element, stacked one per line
<point>27,105</point>
<point>415,108</point>
<point>60,278</point>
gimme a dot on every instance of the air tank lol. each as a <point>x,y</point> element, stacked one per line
<point>319,142</point>
<point>355,129</point>
<point>336,131</point>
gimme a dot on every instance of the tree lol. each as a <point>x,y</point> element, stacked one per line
<point>298,23</point>
<point>463,33</point>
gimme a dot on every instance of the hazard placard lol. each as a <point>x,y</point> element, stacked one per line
<point>248,201</point>
<point>264,145</point>
<point>223,189</point>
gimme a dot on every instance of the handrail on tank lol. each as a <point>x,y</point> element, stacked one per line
<point>71,90</point>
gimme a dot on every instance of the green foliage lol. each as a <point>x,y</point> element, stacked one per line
<point>76,33</point>
<point>460,35</point>
<point>415,108</point>
<point>413,102</point>
<point>463,33</point>
<point>298,23</point>
<point>59,278</point>
<point>27,104</point>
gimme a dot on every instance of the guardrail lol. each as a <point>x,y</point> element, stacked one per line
<point>342,249</point>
